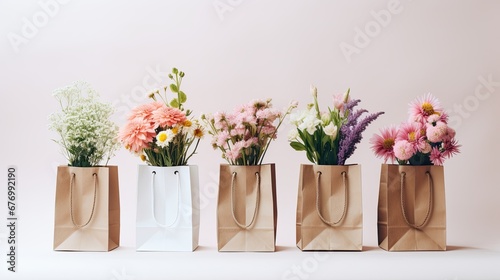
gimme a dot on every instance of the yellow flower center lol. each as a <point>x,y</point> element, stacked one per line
<point>427,108</point>
<point>411,136</point>
<point>198,133</point>
<point>162,137</point>
<point>388,143</point>
<point>143,157</point>
<point>187,123</point>
<point>175,130</point>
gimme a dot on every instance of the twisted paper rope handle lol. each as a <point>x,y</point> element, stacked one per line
<point>257,199</point>
<point>344,211</point>
<point>73,175</point>
<point>429,209</point>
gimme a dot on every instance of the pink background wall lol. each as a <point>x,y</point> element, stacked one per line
<point>388,52</point>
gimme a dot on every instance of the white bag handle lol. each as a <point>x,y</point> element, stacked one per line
<point>429,209</point>
<point>257,198</point>
<point>344,211</point>
<point>73,175</point>
<point>178,200</point>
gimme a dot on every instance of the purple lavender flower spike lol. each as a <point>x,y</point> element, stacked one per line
<point>351,133</point>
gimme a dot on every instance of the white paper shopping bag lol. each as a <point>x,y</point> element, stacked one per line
<point>168,215</point>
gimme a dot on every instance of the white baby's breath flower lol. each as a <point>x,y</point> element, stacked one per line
<point>87,136</point>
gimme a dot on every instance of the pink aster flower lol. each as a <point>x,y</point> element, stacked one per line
<point>268,114</point>
<point>222,138</point>
<point>425,148</point>
<point>423,107</point>
<point>449,135</point>
<point>436,156</point>
<point>233,154</point>
<point>268,130</point>
<point>412,133</point>
<point>136,134</point>
<point>382,145</point>
<point>450,148</point>
<point>220,120</point>
<point>168,117</point>
<point>404,150</point>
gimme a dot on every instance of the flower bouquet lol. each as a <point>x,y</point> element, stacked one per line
<point>87,194</point>
<point>419,146</point>
<point>163,135</point>
<point>329,138</point>
<point>160,132</point>
<point>243,136</point>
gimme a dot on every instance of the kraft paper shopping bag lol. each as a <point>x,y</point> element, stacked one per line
<point>87,209</point>
<point>329,208</point>
<point>246,208</point>
<point>411,208</point>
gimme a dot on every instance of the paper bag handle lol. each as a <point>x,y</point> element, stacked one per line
<point>153,174</point>
<point>344,211</point>
<point>429,209</point>
<point>257,199</point>
<point>73,175</point>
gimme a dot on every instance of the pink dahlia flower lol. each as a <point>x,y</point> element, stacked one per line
<point>168,117</point>
<point>136,134</point>
<point>404,150</point>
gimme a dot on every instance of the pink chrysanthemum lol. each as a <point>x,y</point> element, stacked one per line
<point>145,111</point>
<point>268,114</point>
<point>436,157</point>
<point>136,134</point>
<point>222,138</point>
<point>168,117</point>
<point>404,150</point>
<point>233,154</point>
<point>382,145</point>
<point>450,148</point>
<point>436,132</point>
<point>221,120</point>
<point>423,107</point>
<point>412,133</point>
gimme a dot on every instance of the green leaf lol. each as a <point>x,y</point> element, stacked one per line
<point>309,157</point>
<point>297,146</point>
<point>182,96</point>
<point>174,88</point>
<point>174,103</point>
